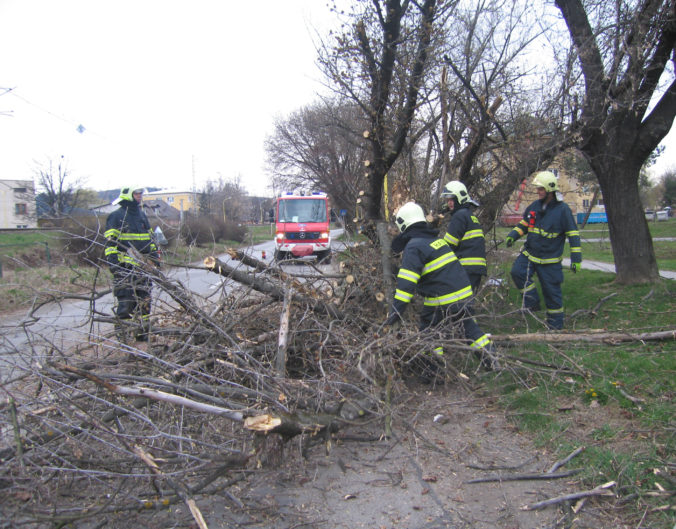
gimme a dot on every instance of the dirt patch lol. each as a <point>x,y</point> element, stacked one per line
<point>416,478</point>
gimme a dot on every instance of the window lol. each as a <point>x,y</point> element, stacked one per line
<point>20,190</point>
<point>20,209</point>
<point>170,200</point>
<point>599,202</point>
<point>585,203</point>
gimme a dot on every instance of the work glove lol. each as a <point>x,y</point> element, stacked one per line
<point>575,267</point>
<point>509,241</point>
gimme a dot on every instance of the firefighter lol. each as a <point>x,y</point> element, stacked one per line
<point>128,228</point>
<point>464,234</point>
<point>547,221</point>
<point>430,267</point>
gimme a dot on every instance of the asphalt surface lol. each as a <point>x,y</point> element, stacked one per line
<point>68,323</point>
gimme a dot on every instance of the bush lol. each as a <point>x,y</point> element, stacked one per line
<point>200,231</point>
<point>81,240</point>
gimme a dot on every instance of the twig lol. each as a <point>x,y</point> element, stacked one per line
<point>601,490</point>
<point>565,460</point>
<point>524,477</point>
<point>635,400</point>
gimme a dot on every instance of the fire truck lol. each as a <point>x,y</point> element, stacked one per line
<point>302,226</point>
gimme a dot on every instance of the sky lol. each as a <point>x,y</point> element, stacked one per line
<point>157,93</point>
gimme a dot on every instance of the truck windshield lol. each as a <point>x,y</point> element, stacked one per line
<point>302,210</point>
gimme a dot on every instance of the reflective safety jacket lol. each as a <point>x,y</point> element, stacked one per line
<point>430,267</point>
<point>466,238</point>
<point>547,228</point>
<point>128,227</point>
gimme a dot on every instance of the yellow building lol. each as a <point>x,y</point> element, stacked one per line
<point>181,200</point>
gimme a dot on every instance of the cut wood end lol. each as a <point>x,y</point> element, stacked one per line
<point>349,279</point>
<point>210,261</point>
<point>380,297</point>
<point>232,252</point>
<point>262,423</point>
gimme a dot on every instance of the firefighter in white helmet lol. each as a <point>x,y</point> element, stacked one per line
<point>547,223</point>
<point>464,233</point>
<point>430,267</point>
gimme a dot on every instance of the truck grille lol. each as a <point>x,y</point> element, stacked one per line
<point>302,235</point>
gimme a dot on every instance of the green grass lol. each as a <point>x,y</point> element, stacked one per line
<point>259,234</point>
<point>588,400</point>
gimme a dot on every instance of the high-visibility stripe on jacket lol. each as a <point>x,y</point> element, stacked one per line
<point>466,238</point>
<point>547,228</point>
<point>430,267</point>
<point>128,227</point>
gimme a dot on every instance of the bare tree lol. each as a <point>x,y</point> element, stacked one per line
<point>60,191</point>
<point>626,111</point>
<point>380,63</point>
<point>319,148</point>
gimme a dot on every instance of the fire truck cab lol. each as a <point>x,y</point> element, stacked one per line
<point>302,226</point>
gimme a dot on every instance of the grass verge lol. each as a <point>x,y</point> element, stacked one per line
<point>614,399</point>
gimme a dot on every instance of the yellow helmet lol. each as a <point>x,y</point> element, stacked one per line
<point>407,215</point>
<point>546,179</point>
<point>127,193</point>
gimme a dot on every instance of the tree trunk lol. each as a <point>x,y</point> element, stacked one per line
<point>631,240</point>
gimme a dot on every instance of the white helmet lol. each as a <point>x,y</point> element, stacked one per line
<point>546,179</point>
<point>407,215</point>
<point>456,189</point>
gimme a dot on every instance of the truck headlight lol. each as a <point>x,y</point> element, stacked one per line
<point>323,235</point>
<point>279,236</point>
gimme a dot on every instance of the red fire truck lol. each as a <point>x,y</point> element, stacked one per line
<point>302,226</point>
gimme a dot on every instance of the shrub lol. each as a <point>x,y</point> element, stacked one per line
<point>200,231</point>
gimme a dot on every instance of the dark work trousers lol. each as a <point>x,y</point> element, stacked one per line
<point>551,278</point>
<point>132,291</point>
<point>457,312</point>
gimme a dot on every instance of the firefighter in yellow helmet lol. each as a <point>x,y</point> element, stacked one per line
<point>547,223</point>
<point>128,233</point>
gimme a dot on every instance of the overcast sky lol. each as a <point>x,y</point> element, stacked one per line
<point>158,89</point>
<point>157,92</point>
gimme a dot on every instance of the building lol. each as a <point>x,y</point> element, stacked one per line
<point>17,204</point>
<point>183,201</point>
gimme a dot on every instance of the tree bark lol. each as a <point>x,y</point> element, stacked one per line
<point>217,266</point>
<point>627,226</point>
<point>589,336</point>
<point>617,130</point>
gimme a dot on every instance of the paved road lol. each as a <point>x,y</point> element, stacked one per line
<point>67,324</point>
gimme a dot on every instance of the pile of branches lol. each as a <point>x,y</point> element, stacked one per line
<point>98,426</point>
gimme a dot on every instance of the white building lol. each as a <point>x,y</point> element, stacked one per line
<point>17,204</point>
